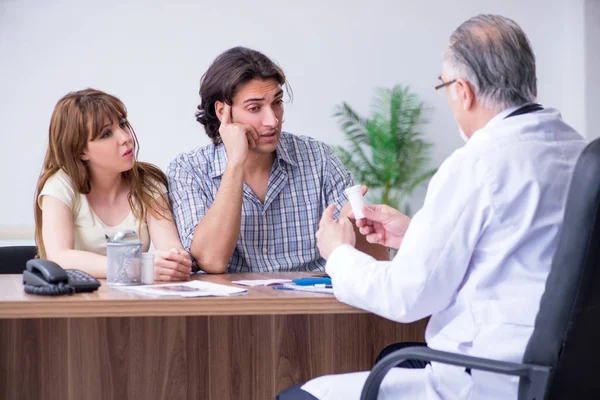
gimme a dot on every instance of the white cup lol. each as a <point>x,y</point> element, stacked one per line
<point>357,200</point>
<point>148,268</point>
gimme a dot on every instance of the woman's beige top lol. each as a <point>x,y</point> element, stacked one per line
<point>88,229</point>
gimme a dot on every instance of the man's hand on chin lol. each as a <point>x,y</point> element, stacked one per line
<point>333,233</point>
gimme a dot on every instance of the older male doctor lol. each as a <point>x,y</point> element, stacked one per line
<point>476,256</point>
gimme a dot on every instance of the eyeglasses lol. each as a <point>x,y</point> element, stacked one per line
<point>443,84</point>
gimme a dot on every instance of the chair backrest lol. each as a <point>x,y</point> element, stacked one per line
<point>13,258</point>
<point>566,336</point>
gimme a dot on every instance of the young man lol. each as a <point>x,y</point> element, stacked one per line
<point>252,200</point>
<point>477,255</point>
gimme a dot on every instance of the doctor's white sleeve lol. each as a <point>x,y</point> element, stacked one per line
<point>435,253</point>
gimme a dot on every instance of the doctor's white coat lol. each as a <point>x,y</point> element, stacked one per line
<point>475,258</point>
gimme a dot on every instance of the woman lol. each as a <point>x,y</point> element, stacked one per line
<point>92,186</point>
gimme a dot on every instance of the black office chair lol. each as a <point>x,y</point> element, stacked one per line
<point>562,358</point>
<point>13,258</point>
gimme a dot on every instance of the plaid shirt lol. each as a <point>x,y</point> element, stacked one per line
<point>278,235</point>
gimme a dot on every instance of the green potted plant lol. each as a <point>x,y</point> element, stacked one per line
<point>387,151</point>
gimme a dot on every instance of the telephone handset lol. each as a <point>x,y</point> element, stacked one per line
<point>48,278</point>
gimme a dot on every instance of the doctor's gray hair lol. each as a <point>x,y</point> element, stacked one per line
<point>493,54</point>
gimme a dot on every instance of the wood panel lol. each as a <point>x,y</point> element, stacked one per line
<point>166,340</point>
<point>89,363</point>
<point>220,358</point>
<point>198,363</point>
<point>26,346</point>
<point>241,357</point>
<point>292,350</point>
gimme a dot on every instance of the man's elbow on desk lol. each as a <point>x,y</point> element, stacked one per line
<point>212,266</point>
<point>208,259</point>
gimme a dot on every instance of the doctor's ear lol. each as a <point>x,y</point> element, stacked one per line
<point>465,94</point>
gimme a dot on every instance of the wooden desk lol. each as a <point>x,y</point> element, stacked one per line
<point>116,345</point>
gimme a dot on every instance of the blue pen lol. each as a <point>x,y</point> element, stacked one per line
<point>312,281</point>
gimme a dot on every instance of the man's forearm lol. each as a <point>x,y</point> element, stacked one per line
<point>216,235</point>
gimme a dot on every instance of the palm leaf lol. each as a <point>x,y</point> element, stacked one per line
<point>387,151</point>
<point>352,125</point>
<point>360,173</point>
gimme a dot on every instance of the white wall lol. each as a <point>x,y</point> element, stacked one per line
<point>592,67</point>
<point>151,54</point>
<point>572,54</point>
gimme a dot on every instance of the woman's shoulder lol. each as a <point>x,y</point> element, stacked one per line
<point>59,181</point>
<point>60,186</point>
<point>59,178</point>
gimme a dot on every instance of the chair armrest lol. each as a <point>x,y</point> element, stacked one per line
<point>535,374</point>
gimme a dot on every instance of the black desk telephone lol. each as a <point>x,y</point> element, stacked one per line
<point>47,278</point>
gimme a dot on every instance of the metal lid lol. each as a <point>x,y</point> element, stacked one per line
<point>119,239</point>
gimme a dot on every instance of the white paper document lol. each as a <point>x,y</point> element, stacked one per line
<point>186,289</point>
<point>262,282</point>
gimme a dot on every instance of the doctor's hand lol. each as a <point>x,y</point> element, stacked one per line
<point>383,225</point>
<point>333,233</point>
<point>172,265</point>
<point>237,138</point>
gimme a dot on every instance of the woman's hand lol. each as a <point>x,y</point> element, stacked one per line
<point>172,265</point>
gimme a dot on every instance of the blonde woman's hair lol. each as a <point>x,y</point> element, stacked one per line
<point>74,116</point>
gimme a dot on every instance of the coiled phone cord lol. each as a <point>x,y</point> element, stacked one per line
<point>49,290</point>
